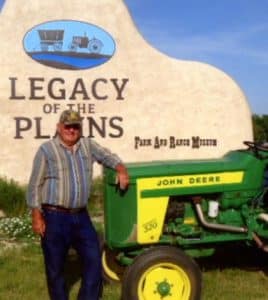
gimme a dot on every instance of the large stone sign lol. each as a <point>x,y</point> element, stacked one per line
<point>88,55</point>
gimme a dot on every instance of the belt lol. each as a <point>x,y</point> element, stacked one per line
<point>63,209</point>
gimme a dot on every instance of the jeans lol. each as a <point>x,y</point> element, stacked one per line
<point>63,231</point>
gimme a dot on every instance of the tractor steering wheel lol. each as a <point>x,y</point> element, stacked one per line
<point>256,146</point>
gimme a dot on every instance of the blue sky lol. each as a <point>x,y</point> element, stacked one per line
<point>232,35</point>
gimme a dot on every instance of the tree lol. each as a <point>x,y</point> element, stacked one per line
<point>260,128</point>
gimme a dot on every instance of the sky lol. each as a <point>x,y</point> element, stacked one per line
<point>228,34</point>
<point>231,35</point>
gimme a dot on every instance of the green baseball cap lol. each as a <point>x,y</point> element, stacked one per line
<point>69,117</point>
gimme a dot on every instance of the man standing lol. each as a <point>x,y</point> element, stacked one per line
<point>58,193</point>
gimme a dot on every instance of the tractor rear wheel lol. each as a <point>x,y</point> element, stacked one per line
<point>162,273</point>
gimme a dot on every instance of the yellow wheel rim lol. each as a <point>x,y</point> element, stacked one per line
<point>164,281</point>
<point>110,273</point>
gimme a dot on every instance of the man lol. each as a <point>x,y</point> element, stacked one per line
<point>58,192</point>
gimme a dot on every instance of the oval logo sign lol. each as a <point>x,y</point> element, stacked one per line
<point>67,44</point>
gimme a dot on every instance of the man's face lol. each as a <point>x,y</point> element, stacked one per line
<point>69,134</point>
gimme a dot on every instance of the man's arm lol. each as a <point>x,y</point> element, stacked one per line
<point>34,193</point>
<point>122,176</point>
<point>38,222</point>
<point>108,159</point>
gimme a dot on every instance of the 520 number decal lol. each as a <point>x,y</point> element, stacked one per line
<point>151,225</point>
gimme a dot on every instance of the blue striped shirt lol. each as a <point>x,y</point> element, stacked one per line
<point>63,177</point>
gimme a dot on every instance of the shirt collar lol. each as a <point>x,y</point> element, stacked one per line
<point>60,143</point>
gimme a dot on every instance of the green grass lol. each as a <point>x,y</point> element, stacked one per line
<point>12,197</point>
<point>227,276</point>
<point>232,284</point>
<point>22,276</point>
<point>235,272</point>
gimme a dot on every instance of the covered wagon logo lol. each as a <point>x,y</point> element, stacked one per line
<point>67,44</point>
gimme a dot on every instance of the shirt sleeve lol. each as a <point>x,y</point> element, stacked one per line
<point>104,156</point>
<point>34,192</point>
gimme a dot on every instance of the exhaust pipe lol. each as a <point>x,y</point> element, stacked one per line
<point>216,226</point>
<point>223,227</point>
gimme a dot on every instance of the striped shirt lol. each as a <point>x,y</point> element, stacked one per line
<point>63,177</point>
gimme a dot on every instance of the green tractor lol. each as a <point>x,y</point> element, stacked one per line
<point>176,211</point>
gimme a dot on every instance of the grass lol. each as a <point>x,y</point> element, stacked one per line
<point>22,275</point>
<point>226,276</point>
<point>12,197</point>
<point>233,273</point>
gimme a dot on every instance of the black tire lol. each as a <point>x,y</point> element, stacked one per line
<point>112,271</point>
<point>162,272</point>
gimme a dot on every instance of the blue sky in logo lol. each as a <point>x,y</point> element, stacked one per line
<point>71,28</point>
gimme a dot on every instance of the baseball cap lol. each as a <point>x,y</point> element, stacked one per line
<point>69,117</point>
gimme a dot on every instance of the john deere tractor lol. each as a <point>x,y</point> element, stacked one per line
<point>176,211</point>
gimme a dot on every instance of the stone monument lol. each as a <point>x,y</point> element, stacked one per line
<point>89,56</point>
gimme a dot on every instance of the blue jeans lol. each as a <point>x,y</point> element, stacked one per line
<point>63,231</point>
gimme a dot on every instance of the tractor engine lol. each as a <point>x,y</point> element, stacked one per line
<point>184,218</point>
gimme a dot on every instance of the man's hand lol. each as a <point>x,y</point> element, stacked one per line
<point>38,222</point>
<point>122,176</point>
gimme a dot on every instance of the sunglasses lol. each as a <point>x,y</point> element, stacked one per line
<point>72,126</point>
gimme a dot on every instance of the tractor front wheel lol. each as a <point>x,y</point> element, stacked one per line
<point>112,271</point>
<point>162,273</point>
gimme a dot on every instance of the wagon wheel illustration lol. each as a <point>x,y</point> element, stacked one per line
<point>95,45</point>
<point>73,47</point>
<point>57,46</point>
